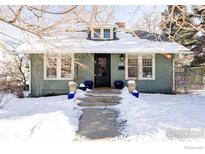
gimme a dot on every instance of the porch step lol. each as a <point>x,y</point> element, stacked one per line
<point>97,104</point>
<point>104,92</point>
<point>105,99</point>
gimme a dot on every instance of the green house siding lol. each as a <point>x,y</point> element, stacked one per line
<point>116,74</point>
<point>39,86</point>
<point>87,73</point>
<point>163,76</point>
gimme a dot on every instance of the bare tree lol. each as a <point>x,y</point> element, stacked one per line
<point>149,21</point>
<point>179,16</point>
<point>42,22</point>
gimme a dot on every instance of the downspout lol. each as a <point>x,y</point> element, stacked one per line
<point>29,63</point>
<point>173,75</point>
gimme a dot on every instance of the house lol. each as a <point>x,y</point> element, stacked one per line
<point>103,53</point>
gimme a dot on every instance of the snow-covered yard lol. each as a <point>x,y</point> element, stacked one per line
<point>40,119</point>
<point>57,118</point>
<point>150,116</point>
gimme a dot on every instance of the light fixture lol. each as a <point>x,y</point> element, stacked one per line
<point>168,56</point>
<point>121,57</point>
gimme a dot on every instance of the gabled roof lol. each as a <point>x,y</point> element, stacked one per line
<point>76,42</point>
<point>151,36</point>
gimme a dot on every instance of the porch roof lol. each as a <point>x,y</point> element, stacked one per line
<point>79,44</point>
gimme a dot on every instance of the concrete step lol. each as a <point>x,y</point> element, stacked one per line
<point>97,104</point>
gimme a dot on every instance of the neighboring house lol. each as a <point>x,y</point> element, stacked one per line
<point>102,54</point>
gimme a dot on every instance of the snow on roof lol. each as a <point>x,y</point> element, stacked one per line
<point>77,42</point>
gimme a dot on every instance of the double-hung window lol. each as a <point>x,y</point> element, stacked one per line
<point>66,63</point>
<point>58,67</point>
<point>141,67</point>
<point>132,66</point>
<point>96,33</point>
<point>106,33</point>
<point>51,67</point>
<point>147,66</point>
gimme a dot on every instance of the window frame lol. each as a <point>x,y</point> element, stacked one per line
<point>58,69</point>
<point>94,33</point>
<point>104,33</point>
<point>140,67</point>
<point>101,36</point>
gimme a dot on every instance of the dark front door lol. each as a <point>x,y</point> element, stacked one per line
<point>102,70</point>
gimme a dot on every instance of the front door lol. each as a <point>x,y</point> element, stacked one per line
<point>102,70</point>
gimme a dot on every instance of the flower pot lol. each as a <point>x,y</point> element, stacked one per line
<point>88,84</point>
<point>82,87</point>
<point>135,93</point>
<point>71,94</point>
<point>119,84</point>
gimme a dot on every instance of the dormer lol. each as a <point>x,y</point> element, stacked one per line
<point>102,32</point>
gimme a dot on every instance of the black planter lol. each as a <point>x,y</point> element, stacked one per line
<point>82,88</point>
<point>119,84</point>
<point>88,84</point>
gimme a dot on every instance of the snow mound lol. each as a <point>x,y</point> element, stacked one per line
<point>151,115</point>
<point>40,119</point>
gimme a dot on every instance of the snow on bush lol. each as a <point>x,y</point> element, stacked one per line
<point>40,119</point>
<point>148,117</point>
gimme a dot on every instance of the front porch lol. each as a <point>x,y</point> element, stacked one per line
<point>40,86</point>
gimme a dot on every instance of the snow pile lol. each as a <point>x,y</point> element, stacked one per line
<point>40,119</point>
<point>148,117</point>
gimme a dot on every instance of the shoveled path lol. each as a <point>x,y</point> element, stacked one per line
<point>97,121</point>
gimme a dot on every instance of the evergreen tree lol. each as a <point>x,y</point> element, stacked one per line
<point>183,27</point>
<point>199,47</point>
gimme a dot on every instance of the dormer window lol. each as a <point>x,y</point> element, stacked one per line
<point>106,33</point>
<point>102,32</point>
<point>96,33</point>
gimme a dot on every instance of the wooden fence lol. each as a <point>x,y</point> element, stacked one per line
<point>189,78</point>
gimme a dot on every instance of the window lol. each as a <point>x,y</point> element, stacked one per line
<point>147,66</point>
<point>132,66</point>
<point>140,67</point>
<point>51,67</point>
<point>65,66</point>
<point>106,33</point>
<point>96,33</point>
<point>58,67</point>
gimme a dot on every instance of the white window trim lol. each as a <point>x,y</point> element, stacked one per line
<point>101,33</point>
<point>140,74</point>
<point>93,32</point>
<point>59,68</point>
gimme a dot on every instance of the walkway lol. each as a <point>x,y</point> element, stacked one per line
<point>97,121</point>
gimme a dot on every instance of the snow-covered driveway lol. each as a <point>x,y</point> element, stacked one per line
<point>148,117</point>
<point>39,119</point>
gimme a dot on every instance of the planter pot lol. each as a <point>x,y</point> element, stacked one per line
<point>119,84</point>
<point>88,84</point>
<point>71,95</point>
<point>82,87</point>
<point>135,93</point>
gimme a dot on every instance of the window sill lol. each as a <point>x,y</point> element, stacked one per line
<point>140,78</point>
<point>58,78</point>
